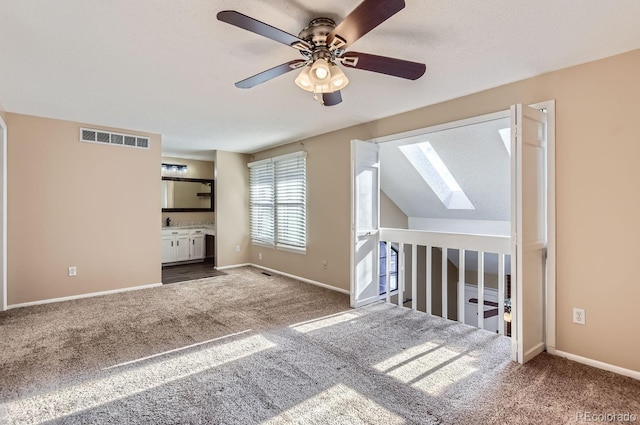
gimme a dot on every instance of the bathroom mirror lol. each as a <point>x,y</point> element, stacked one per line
<point>186,195</point>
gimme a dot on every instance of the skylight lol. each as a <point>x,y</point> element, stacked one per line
<point>428,163</point>
<point>505,135</point>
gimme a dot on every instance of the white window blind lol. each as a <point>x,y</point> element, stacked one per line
<point>278,197</point>
<point>262,198</point>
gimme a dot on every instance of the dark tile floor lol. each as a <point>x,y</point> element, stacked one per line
<point>185,272</point>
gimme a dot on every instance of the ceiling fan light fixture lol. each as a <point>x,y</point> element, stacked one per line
<point>323,88</point>
<point>320,73</point>
<point>303,79</point>
<point>339,79</point>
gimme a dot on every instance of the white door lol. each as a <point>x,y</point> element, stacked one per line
<point>365,196</point>
<point>528,226</point>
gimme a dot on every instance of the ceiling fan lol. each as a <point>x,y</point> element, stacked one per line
<point>323,46</point>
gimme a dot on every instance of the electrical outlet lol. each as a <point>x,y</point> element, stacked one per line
<point>259,256</point>
<point>579,316</point>
<point>73,271</point>
<point>324,264</point>
<point>237,248</point>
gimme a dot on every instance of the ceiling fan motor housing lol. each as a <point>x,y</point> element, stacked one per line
<point>317,31</point>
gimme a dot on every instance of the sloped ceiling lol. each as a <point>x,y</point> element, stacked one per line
<point>169,66</point>
<point>476,157</point>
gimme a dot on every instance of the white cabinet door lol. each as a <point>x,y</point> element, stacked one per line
<point>197,247</point>
<point>182,247</point>
<point>168,249</point>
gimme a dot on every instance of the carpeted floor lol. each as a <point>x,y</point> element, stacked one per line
<point>247,348</point>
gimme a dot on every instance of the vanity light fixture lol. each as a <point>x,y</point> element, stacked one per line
<point>174,168</point>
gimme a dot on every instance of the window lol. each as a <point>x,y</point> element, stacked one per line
<point>393,268</point>
<point>432,169</point>
<point>278,199</point>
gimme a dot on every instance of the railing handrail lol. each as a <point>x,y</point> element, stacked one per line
<point>486,243</point>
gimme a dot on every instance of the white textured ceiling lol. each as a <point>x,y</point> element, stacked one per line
<point>169,66</point>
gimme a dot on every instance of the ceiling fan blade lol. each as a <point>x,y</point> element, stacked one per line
<point>245,22</point>
<point>385,65</point>
<point>368,15</point>
<point>269,74</point>
<point>331,99</point>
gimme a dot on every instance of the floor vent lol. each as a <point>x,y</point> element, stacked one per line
<point>110,138</point>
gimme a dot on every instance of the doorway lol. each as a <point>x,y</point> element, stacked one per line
<point>526,238</point>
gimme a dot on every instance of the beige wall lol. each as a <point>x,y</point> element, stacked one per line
<point>79,204</point>
<point>597,203</point>
<point>232,209</point>
<point>195,170</point>
<point>328,210</point>
<point>391,215</point>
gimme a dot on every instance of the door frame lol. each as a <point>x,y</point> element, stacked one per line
<point>550,107</point>
<point>550,291</point>
<point>3,212</point>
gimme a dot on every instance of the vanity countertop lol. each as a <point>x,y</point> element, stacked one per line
<point>208,229</point>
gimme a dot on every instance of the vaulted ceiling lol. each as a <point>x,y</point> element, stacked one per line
<point>476,158</point>
<point>169,67</point>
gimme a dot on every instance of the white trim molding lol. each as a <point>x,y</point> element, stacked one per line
<point>597,364</point>
<point>301,279</point>
<point>233,266</point>
<point>88,295</point>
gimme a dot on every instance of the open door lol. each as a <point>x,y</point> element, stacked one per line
<point>528,227</point>
<point>365,219</point>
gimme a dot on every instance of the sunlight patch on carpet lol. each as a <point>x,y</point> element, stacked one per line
<point>338,404</point>
<point>324,322</point>
<point>437,382</point>
<point>186,347</point>
<point>406,356</point>
<point>428,367</point>
<point>67,401</point>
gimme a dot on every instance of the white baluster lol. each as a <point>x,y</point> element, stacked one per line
<point>461,279</point>
<point>481,289</point>
<point>429,278</point>
<point>445,286</point>
<point>414,277</point>
<point>501,294</point>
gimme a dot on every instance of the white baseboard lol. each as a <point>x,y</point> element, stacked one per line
<point>533,352</point>
<point>154,285</point>
<point>598,364</point>
<point>233,266</point>
<point>88,295</point>
<point>302,279</point>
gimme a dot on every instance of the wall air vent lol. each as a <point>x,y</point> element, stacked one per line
<point>111,138</point>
